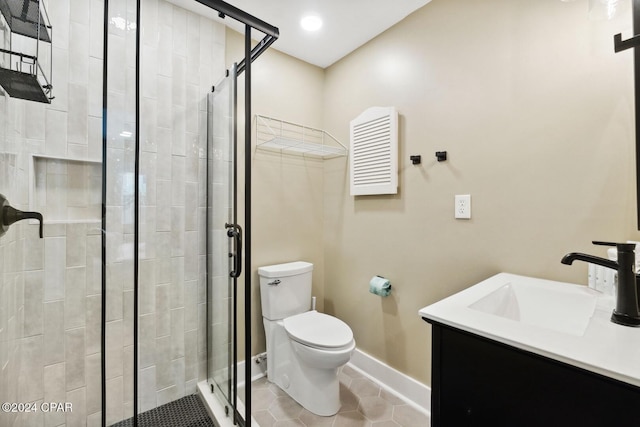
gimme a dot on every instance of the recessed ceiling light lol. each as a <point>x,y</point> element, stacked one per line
<point>311,23</point>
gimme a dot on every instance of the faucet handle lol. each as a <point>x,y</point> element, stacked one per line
<point>9,215</point>
<point>624,247</point>
<point>599,243</point>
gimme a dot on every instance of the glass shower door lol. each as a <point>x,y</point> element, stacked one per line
<point>224,242</point>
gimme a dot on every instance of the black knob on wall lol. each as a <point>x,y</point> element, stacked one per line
<point>441,156</point>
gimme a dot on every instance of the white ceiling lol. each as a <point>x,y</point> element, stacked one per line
<point>348,24</point>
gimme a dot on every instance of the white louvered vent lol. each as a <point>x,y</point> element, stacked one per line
<point>373,161</point>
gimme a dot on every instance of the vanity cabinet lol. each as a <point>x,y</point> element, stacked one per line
<point>480,382</point>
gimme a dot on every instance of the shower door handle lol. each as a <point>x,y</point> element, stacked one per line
<point>235,231</point>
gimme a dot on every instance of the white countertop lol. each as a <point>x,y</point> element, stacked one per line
<point>605,348</point>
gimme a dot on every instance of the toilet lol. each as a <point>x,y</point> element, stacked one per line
<point>304,348</point>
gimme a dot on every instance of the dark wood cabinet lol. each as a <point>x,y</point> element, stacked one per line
<point>480,382</point>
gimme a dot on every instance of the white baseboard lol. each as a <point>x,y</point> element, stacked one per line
<point>258,370</point>
<point>393,380</point>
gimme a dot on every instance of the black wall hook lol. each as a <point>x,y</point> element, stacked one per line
<point>441,156</point>
<point>416,160</point>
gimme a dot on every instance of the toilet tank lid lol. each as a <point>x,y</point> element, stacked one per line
<point>284,270</point>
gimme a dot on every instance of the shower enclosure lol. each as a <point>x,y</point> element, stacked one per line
<point>129,300</point>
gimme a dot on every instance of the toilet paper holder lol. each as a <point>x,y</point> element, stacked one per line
<point>379,285</point>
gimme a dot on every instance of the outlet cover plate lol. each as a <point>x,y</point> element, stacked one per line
<point>463,206</point>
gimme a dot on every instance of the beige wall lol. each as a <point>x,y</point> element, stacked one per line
<point>287,191</point>
<point>536,112</point>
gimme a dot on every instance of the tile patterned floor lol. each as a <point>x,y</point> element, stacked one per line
<point>364,404</point>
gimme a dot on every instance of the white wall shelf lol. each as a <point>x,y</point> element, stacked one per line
<point>292,138</point>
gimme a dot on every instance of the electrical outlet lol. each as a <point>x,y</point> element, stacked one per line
<point>463,206</point>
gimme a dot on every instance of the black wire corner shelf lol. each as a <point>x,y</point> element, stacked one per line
<point>24,74</point>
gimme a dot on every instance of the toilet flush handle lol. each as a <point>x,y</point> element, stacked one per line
<point>274,283</point>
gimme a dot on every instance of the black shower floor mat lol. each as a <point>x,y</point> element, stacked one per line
<point>185,412</point>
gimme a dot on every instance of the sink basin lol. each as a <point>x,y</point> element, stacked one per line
<point>565,309</point>
<point>562,321</point>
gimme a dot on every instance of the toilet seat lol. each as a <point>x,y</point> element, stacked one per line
<point>318,330</point>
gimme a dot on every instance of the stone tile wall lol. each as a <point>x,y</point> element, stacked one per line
<point>50,289</point>
<point>182,58</point>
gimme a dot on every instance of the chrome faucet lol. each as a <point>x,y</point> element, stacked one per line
<point>627,311</point>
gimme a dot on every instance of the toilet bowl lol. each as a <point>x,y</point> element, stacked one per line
<point>304,348</point>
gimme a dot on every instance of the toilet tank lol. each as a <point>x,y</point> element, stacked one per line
<point>285,289</point>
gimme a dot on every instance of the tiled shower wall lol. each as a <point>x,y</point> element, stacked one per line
<point>50,288</point>
<point>182,55</point>
<point>182,58</point>
<point>50,298</point>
